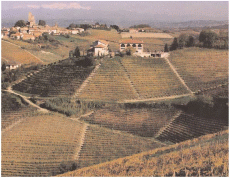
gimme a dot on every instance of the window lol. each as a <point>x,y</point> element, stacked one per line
<point>128,45</point>
<point>134,45</point>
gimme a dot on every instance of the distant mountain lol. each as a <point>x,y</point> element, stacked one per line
<point>122,18</point>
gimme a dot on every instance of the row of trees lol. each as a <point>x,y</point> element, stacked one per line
<point>206,39</point>
<point>22,23</point>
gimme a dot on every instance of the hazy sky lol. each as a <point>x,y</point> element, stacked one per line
<point>194,8</point>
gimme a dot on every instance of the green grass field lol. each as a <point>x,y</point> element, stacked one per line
<point>204,156</point>
<point>201,68</point>
<point>38,145</point>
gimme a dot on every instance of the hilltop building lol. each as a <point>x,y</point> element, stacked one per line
<point>137,44</point>
<point>99,48</point>
<point>31,20</point>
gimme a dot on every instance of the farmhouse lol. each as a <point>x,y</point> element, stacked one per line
<point>12,65</point>
<point>28,37</point>
<point>137,44</point>
<point>99,48</point>
<point>15,36</point>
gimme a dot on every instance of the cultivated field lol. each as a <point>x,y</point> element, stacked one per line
<point>14,53</point>
<point>60,79</point>
<point>102,145</point>
<point>39,145</point>
<point>201,68</point>
<point>13,109</point>
<point>143,122</point>
<point>109,83</point>
<point>145,35</point>
<point>204,156</point>
<point>186,127</point>
<point>152,77</point>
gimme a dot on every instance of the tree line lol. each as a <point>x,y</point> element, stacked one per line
<point>206,39</point>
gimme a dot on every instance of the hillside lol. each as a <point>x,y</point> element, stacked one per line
<point>59,79</point>
<point>128,78</point>
<point>201,68</point>
<point>13,53</point>
<point>204,156</point>
<point>39,144</point>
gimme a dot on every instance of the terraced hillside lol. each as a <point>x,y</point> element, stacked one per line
<point>143,122</point>
<point>201,68</point>
<point>101,145</point>
<point>39,145</point>
<point>60,79</point>
<point>186,127</point>
<point>152,77</point>
<point>110,83</point>
<point>11,52</point>
<point>200,157</point>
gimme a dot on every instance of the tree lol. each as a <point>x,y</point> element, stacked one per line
<point>42,23</point>
<point>130,50</point>
<point>71,26</point>
<point>115,27</point>
<point>208,38</point>
<point>190,41</point>
<point>85,26</point>
<point>166,49</point>
<point>3,67</point>
<point>76,52</point>
<point>182,40</point>
<point>20,23</point>
<point>174,45</point>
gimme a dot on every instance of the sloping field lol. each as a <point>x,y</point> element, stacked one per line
<point>103,145</point>
<point>109,83</point>
<point>152,77</point>
<point>204,156</point>
<point>15,53</point>
<point>13,109</point>
<point>145,35</point>
<point>38,145</point>
<point>201,68</point>
<point>56,80</point>
<point>143,122</point>
<point>186,127</point>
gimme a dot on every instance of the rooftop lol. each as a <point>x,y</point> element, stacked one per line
<point>131,41</point>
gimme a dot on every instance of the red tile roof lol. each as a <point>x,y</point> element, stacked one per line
<point>99,46</point>
<point>131,41</point>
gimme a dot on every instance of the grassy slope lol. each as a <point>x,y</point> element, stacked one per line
<point>103,145</point>
<point>201,68</point>
<point>37,145</point>
<point>204,156</point>
<point>14,53</point>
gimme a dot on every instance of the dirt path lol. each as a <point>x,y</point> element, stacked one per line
<point>24,50</point>
<point>11,126</point>
<point>155,99</point>
<point>178,76</point>
<point>9,90</point>
<point>127,76</point>
<point>166,126</point>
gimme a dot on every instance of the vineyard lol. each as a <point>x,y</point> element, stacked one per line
<point>108,84</point>
<point>204,156</point>
<point>55,80</point>
<point>186,127</point>
<point>17,54</point>
<point>39,145</point>
<point>13,110</point>
<point>152,77</point>
<point>201,68</point>
<point>143,122</point>
<point>102,145</point>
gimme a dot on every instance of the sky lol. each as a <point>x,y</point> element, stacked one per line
<point>162,10</point>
